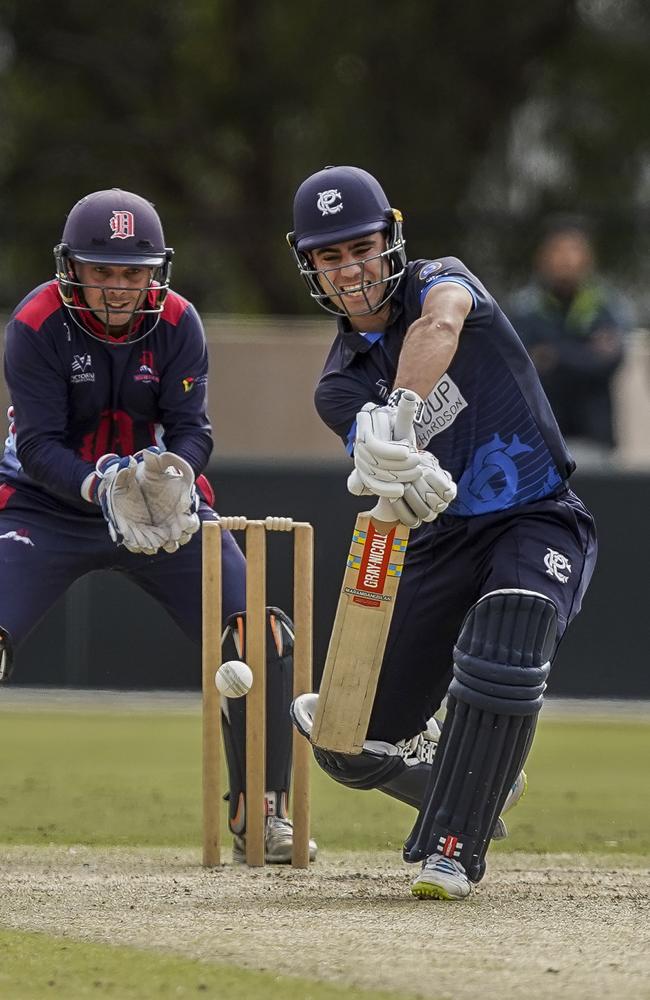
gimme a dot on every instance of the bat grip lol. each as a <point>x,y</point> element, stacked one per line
<point>407,405</point>
<point>383,510</point>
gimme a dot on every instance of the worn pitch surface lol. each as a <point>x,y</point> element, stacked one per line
<point>537,927</point>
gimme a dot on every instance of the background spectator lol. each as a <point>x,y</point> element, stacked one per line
<point>573,328</point>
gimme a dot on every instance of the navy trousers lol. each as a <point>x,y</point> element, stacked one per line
<point>548,547</point>
<point>43,550</point>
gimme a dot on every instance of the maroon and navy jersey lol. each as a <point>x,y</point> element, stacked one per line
<point>487,420</point>
<point>76,398</point>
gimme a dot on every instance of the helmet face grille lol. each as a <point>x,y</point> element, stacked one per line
<point>139,320</point>
<point>321,286</point>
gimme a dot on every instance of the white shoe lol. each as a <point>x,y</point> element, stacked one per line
<point>441,878</point>
<point>421,749</point>
<point>278,843</point>
<point>418,750</point>
<point>516,793</point>
<point>302,711</point>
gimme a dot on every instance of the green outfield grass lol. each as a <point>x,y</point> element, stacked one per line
<point>36,966</point>
<point>118,779</point>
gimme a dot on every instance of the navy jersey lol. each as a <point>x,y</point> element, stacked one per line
<point>76,398</point>
<point>487,421</point>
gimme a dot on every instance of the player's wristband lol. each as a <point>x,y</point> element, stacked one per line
<point>90,485</point>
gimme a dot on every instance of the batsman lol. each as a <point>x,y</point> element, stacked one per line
<point>102,468</point>
<point>500,551</point>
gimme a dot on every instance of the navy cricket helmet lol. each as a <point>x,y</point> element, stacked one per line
<point>336,205</point>
<point>116,228</point>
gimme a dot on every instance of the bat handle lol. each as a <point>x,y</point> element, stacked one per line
<point>406,408</point>
<point>383,510</point>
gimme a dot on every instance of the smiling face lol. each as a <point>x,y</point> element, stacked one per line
<point>353,276</point>
<point>113,291</point>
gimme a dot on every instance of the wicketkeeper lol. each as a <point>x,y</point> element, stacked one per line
<point>501,551</point>
<point>107,371</point>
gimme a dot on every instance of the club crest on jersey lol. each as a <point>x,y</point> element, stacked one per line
<point>557,565</point>
<point>146,368</point>
<point>122,225</point>
<point>329,202</point>
<point>491,479</point>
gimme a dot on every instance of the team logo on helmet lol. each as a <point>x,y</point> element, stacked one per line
<point>329,202</point>
<point>122,225</point>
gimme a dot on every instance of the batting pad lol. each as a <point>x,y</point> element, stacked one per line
<point>501,664</point>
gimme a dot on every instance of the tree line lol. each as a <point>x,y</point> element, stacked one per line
<point>479,119</point>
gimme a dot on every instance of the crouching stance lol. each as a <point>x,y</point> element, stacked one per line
<point>501,550</point>
<point>107,368</point>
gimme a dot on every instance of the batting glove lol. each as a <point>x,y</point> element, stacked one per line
<point>382,464</point>
<point>427,496</point>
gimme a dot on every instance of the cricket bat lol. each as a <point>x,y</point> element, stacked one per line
<point>363,616</point>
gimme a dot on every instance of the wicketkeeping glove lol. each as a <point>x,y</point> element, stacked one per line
<point>115,488</point>
<point>167,483</point>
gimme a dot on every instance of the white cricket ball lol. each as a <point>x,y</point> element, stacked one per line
<point>234,678</point>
